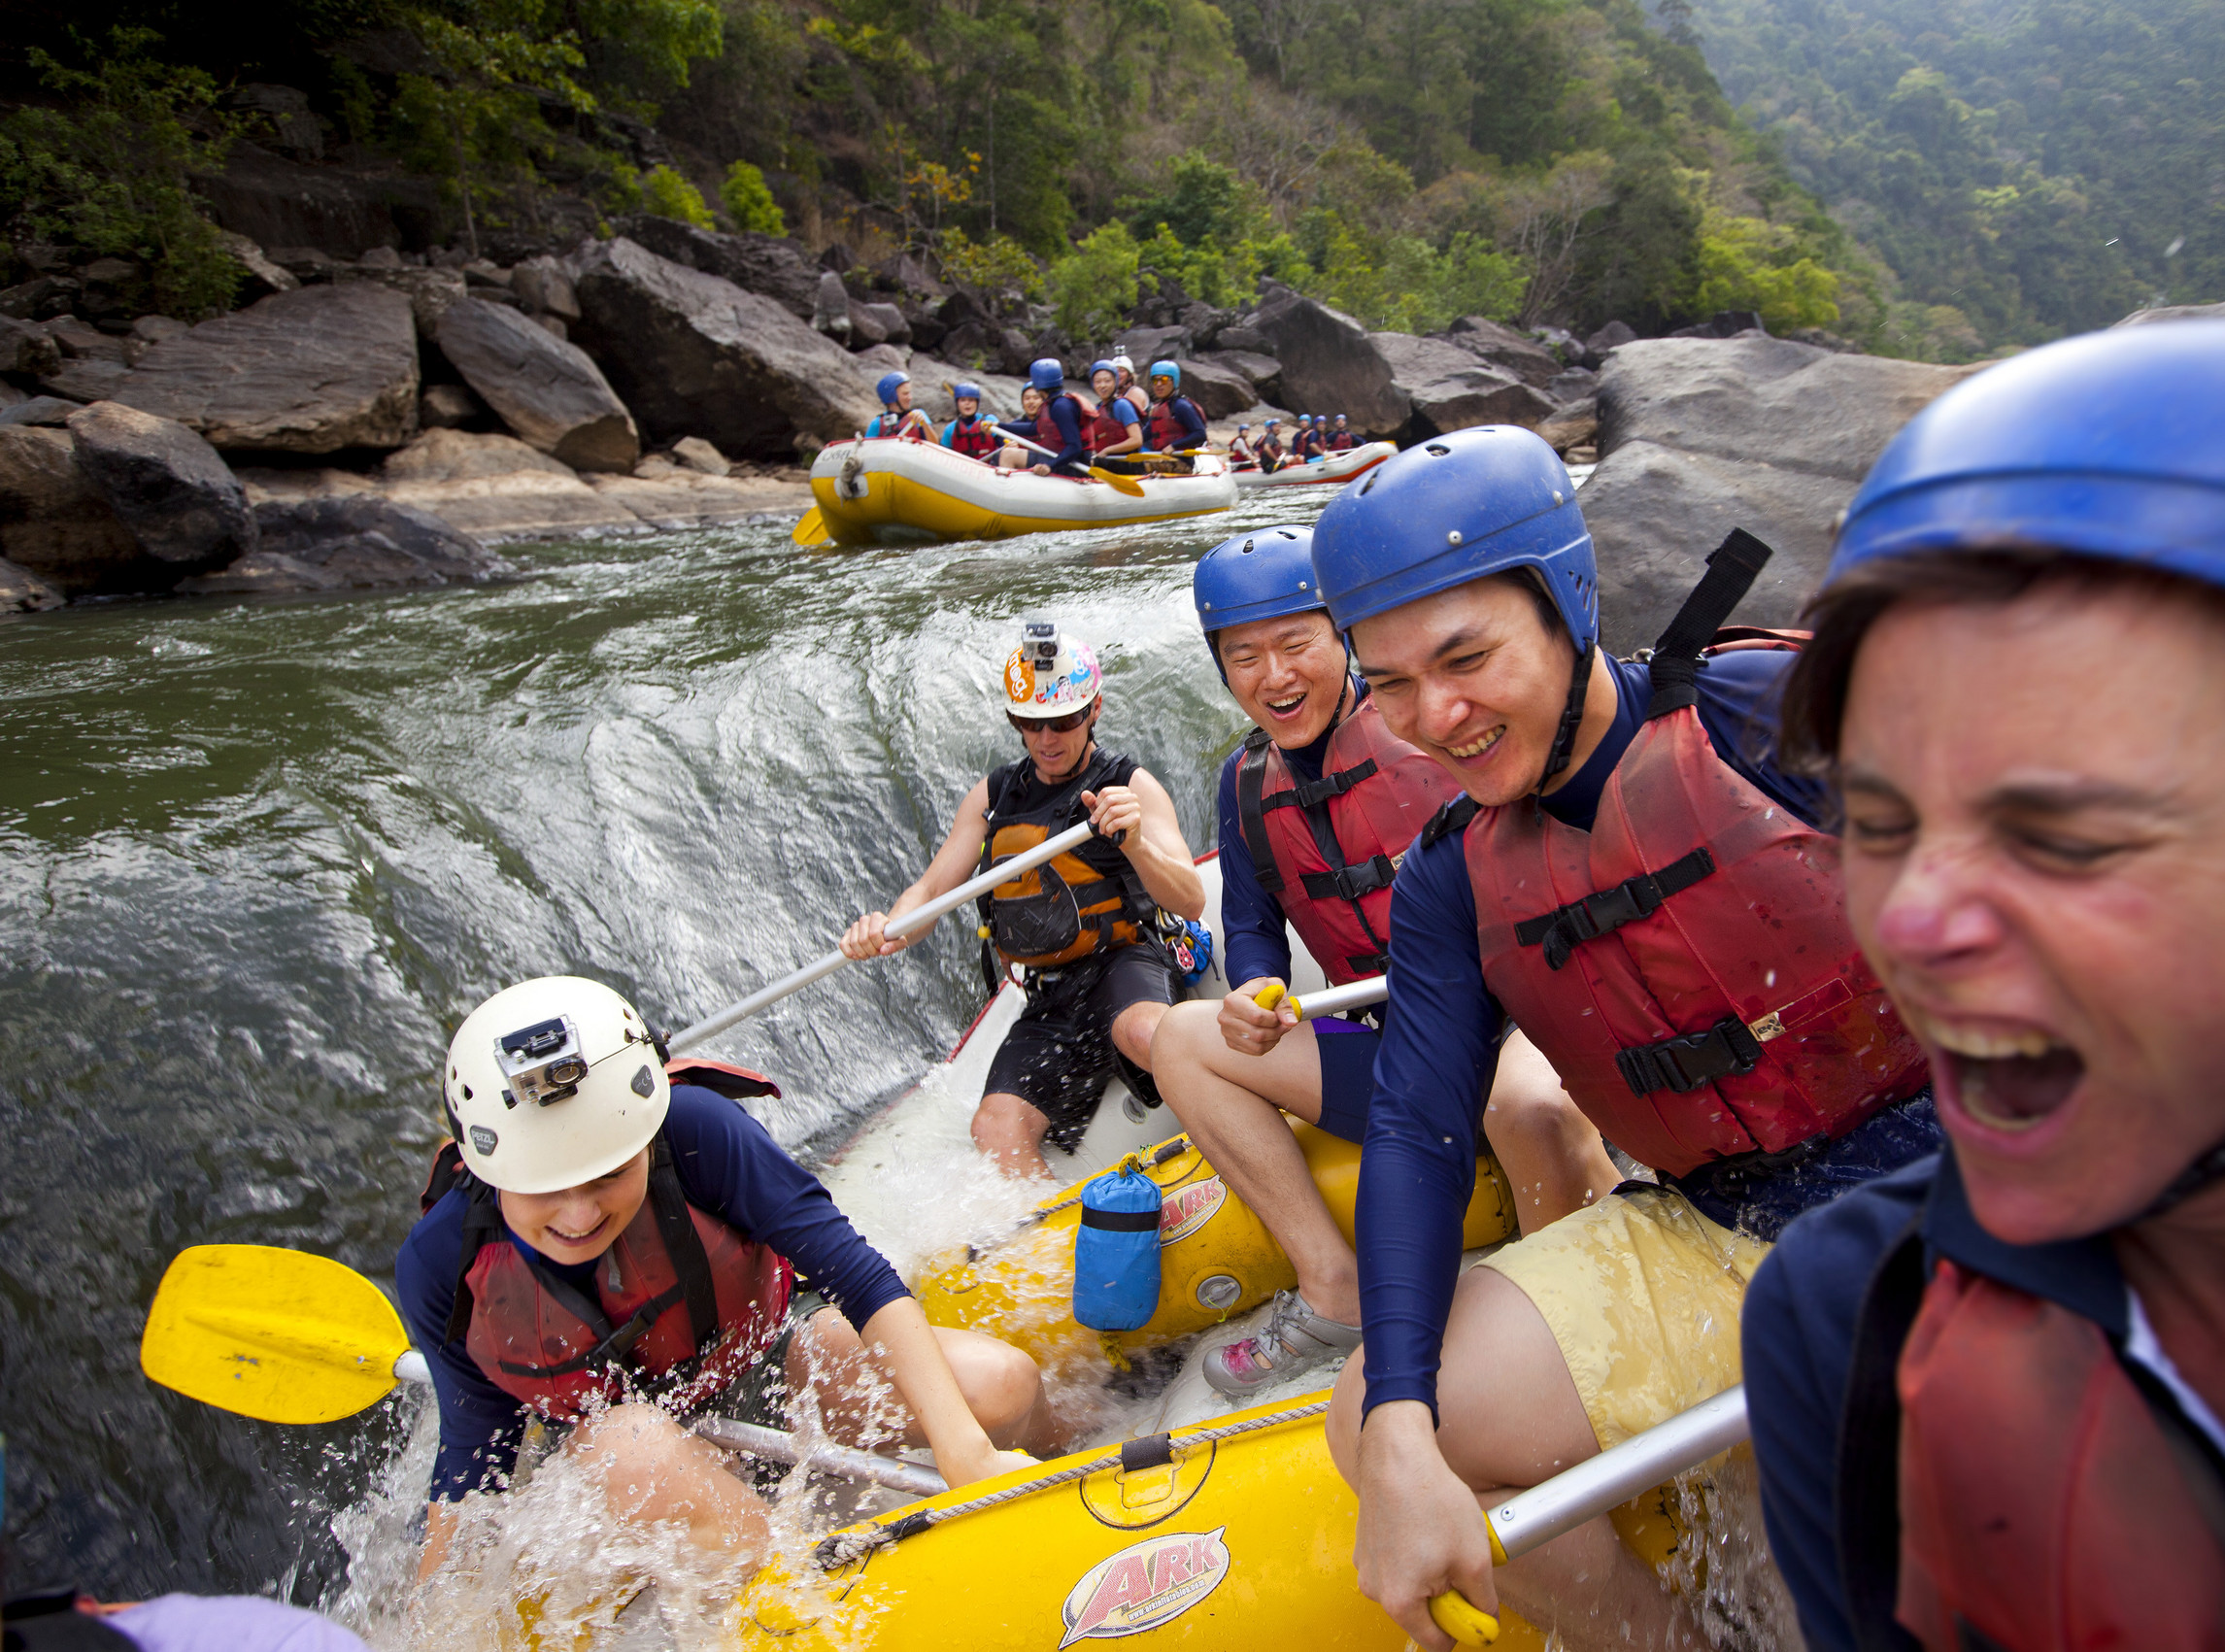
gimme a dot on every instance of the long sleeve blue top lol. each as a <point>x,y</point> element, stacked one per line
<point>1441,1041</point>
<point>1063,414</point>
<point>729,1167</point>
<point>1192,422</point>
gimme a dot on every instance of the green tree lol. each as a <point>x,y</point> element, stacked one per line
<point>1095,285</point>
<point>665,193</point>
<point>749,203</point>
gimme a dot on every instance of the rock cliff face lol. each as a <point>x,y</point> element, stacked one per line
<point>1700,436</point>
<point>696,356</point>
<point>310,371</point>
<point>165,484</point>
<point>546,390</point>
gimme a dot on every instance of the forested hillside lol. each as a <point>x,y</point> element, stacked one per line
<point>1559,162</point>
<point>2028,167</point>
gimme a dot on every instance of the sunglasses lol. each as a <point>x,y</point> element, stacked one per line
<point>1065,725</point>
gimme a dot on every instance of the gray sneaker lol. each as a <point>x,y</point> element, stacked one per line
<point>1294,1340</point>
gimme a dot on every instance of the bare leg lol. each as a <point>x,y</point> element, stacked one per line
<point>1509,1416</point>
<point>650,1468</point>
<point>1132,1029</point>
<point>1001,1386</point>
<point>1233,1106</point>
<point>1550,1152</point>
<point>1010,1131</point>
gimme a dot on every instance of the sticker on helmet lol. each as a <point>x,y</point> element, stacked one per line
<point>1019,678</point>
<point>483,1140</point>
<point>644,1083</point>
<point>1145,1585</point>
<point>1188,1209</point>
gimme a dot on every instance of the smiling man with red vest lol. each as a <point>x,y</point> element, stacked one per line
<point>606,1245</point>
<point>1634,880</point>
<point>1986,1392</point>
<point>1317,809</point>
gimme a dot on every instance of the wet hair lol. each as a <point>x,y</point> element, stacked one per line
<point>1814,706</point>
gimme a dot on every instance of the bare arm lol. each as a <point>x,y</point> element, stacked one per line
<point>440,1531</point>
<point>903,1345</point>
<point>953,862</point>
<point>1153,844</point>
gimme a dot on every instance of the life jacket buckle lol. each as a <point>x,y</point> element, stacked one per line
<point>1727,1049</point>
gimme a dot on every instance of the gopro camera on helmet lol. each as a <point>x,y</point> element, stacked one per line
<point>1039,642</point>
<point>543,1062</point>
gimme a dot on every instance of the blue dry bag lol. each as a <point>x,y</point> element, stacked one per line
<point>1116,1251</point>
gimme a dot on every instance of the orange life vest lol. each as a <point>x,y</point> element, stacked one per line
<point>1686,965</point>
<point>1084,902</point>
<point>1374,795</point>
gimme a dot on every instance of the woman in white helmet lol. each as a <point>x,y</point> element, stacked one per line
<point>1084,927</point>
<point>613,1247</point>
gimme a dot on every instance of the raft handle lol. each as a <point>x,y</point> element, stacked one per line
<point>1147,1451</point>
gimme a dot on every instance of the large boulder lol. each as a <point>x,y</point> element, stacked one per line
<point>21,592</point>
<point>1219,391</point>
<point>1146,345</point>
<point>693,354</point>
<point>544,287</point>
<point>56,526</point>
<point>1329,364</point>
<point>771,266</point>
<point>493,486</point>
<point>164,482</point>
<point>312,371</point>
<point>430,289</point>
<point>1506,349</point>
<point>1699,436</point>
<point>1448,388</point>
<point>27,348</point>
<point>365,540</point>
<point>547,391</point>
<point>1264,373</point>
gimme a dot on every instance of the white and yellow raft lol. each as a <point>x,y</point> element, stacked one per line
<point>902,491</point>
<point>1314,473</point>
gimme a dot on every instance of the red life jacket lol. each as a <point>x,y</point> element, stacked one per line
<point>684,1304</point>
<point>1165,428</point>
<point>1686,965</point>
<point>1047,430</point>
<point>1341,442</point>
<point>2043,1506</point>
<point>977,439</point>
<point>1103,431</point>
<point>1374,795</point>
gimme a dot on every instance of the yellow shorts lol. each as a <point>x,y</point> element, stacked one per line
<point>1642,1294</point>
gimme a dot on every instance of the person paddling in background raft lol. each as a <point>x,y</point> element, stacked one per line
<point>1132,392</point>
<point>1986,1392</point>
<point>1307,448</point>
<point>1634,879</point>
<point>1174,425</point>
<point>1115,434</point>
<point>1240,454</point>
<point>610,1248</point>
<point>1059,425</point>
<point>969,433</point>
<point>1316,810</point>
<point>1341,440</point>
<point>1271,455</point>
<point>897,416</point>
<point>1084,927</point>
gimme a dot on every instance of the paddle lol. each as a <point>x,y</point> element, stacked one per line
<point>811,529</point>
<point>1330,1000</point>
<point>1119,484</point>
<point>290,1338</point>
<point>919,918</point>
<point>1533,1518</point>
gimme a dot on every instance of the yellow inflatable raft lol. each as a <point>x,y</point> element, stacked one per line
<point>882,491</point>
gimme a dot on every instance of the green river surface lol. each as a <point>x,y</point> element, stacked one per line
<point>258,858</point>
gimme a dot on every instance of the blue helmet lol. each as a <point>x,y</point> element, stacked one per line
<point>1458,508</point>
<point>1047,375</point>
<point>1097,367</point>
<point>888,387</point>
<point>1261,575</point>
<point>960,392</point>
<point>2091,447</point>
<point>1169,369</point>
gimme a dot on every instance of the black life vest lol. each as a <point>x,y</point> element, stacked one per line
<point>1087,900</point>
<point>976,438</point>
<point>684,1304</point>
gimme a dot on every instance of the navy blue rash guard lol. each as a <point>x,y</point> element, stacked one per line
<point>1067,462</point>
<point>1441,1042</point>
<point>729,1167</point>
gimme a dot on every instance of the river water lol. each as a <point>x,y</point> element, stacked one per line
<point>257,860</point>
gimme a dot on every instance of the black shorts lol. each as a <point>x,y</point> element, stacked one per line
<point>1059,1053</point>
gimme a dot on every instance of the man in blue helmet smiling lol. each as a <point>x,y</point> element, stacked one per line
<point>1986,1392</point>
<point>1633,877</point>
<point>1174,425</point>
<point>897,416</point>
<point>1317,809</point>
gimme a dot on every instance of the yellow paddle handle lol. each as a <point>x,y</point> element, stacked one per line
<point>1469,1624</point>
<point>1273,994</point>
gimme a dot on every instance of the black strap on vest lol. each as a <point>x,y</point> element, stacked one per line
<point>1567,927</point>
<point>1251,810</point>
<point>1731,567</point>
<point>683,1246</point>
<point>1342,880</point>
<point>1450,821</point>
<point>1691,1059</point>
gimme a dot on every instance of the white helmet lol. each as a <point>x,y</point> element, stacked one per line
<point>1125,363</point>
<point>552,1083</point>
<point>1050,674</point>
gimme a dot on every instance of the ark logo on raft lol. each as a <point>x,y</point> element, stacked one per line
<point>1190,1208</point>
<point>1145,1585</point>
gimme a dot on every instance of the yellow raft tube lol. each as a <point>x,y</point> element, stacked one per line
<point>904,491</point>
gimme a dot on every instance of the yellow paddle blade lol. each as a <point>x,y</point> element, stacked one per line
<point>1120,484</point>
<point>811,529</point>
<point>273,1334</point>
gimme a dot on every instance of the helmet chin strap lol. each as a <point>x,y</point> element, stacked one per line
<point>1572,719</point>
<point>2202,1173</point>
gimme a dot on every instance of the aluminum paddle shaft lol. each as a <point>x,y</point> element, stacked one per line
<point>919,918</point>
<point>775,1446</point>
